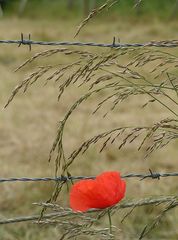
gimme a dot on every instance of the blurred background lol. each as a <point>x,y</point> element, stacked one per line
<point>28,126</point>
<point>57,9</point>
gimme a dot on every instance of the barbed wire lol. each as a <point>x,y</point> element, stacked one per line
<point>68,211</point>
<point>26,218</point>
<point>29,42</point>
<point>153,175</point>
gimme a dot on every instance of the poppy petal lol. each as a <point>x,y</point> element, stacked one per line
<point>106,190</point>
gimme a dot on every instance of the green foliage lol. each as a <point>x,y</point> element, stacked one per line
<point>56,9</point>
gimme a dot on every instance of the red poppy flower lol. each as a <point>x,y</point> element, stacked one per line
<point>106,190</point>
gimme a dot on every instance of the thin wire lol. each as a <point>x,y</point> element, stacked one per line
<point>27,218</point>
<point>74,178</point>
<point>169,43</point>
<point>141,202</point>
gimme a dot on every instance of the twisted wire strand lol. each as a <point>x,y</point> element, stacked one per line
<point>26,218</point>
<point>22,41</point>
<point>74,178</point>
<point>127,204</point>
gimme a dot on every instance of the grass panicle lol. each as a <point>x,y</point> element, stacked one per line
<point>108,4</point>
<point>73,223</point>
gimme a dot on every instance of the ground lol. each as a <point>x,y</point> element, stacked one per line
<point>28,126</point>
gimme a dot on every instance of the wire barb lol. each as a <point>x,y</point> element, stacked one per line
<point>152,175</point>
<point>25,41</point>
<point>114,42</point>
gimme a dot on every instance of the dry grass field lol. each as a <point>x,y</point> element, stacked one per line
<point>28,126</point>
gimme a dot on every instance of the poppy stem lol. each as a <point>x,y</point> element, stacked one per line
<point>110,221</point>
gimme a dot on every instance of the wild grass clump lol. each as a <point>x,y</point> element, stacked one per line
<point>119,74</point>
